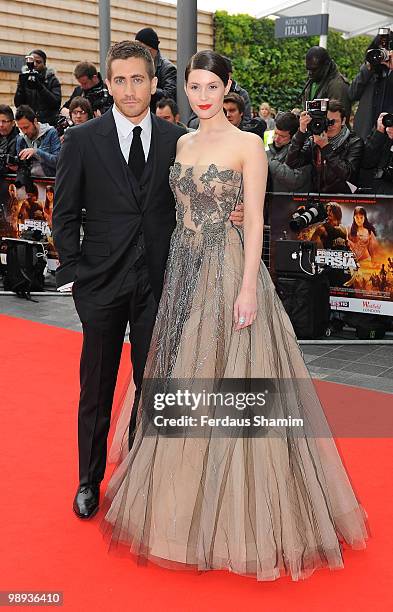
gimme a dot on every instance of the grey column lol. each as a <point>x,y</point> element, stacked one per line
<point>186,47</point>
<point>105,32</point>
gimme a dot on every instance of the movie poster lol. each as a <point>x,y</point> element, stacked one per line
<point>353,236</point>
<point>28,214</point>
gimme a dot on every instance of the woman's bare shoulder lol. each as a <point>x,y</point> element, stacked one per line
<point>250,146</point>
<point>183,141</point>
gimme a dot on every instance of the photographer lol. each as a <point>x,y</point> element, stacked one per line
<point>281,177</point>
<point>377,165</point>
<point>166,72</point>
<point>8,131</point>
<point>80,111</point>
<point>92,87</point>
<point>373,87</point>
<point>325,81</point>
<point>39,143</point>
<point>39,88</point>
<point>333,151</point>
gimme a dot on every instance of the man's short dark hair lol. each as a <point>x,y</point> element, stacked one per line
<point>235,99</point>
<point>287,122</point>
<point>335,106</point>
<point>126,49</point>
<point>7,111</point>
<point>168,102</point>
<point>25,112</point>
<point>85,69</point>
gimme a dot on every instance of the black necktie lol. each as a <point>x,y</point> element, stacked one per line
<point>136,159</point>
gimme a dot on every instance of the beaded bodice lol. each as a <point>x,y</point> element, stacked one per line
<point>205,195</point>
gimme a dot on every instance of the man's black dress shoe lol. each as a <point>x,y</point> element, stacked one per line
<point>86,501</point>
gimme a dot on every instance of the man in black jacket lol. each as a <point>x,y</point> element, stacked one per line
<point>116,167</point>
<point>376,171</point>
<point>165,71</point>
<point>335,155</point>
<point>325,81</point>
<point>373,88</point>
<point>40,89</point>
<point>92,87</point>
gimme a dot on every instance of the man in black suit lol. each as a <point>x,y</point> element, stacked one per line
<point>116,167</point>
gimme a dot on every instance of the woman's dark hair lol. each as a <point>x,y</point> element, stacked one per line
<point>369,226</point>
<point>49,189</point>
<point>209,60</point>
<point>83,103</point>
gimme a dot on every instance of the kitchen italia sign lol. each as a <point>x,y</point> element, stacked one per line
<point>306,25</point>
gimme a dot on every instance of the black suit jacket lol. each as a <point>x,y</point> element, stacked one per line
<point>92,174</point>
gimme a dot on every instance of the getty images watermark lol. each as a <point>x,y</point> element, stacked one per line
<point>229,407</point>
<point>209,400</point>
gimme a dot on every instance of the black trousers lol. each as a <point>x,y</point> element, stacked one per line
<point>104,328</point>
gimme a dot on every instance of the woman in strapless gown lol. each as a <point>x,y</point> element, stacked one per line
<point>263,505</point>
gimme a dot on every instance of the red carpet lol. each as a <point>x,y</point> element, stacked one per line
<point>45,548</point>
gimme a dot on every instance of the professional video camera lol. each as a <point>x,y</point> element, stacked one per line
<point>62,124</point>
<point>306,214</point>
<point>317,109</point>
<point>99,98</point>
<point>23,173</point>
<point>381,54</point>
<point>30,78</point>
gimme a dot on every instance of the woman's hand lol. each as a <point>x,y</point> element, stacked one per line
<point>245,308</point>
<point>237,215</point>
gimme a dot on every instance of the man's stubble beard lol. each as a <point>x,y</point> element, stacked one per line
<point>134,112</point>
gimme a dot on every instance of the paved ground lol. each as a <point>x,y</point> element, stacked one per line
<point>359,365</point>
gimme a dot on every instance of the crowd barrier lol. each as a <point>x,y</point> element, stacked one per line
<point>362,260</point>
<point>22,212</point>
<point>358,248</point>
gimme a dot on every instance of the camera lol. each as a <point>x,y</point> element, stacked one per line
<point>317,109</point>
<point>30,77</point>
<point>23,173</point>
<point>98,98</point>
<point>306,214</point>
<point>387,120</point>
<point>62,124</point>
<point>381,54</point>
<point>387,173</point>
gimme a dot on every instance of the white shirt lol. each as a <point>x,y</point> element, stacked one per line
<point>125,128</point>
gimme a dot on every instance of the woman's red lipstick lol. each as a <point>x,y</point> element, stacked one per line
<point>204,106</point>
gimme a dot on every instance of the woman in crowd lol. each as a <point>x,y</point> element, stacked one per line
<point>265,111</point>
<point>80,110</point>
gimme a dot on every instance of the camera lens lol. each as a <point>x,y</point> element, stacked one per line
<point>377,56</point>
<point>387,120</point>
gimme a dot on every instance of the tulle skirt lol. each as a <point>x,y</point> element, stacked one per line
<point>266,505</point>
